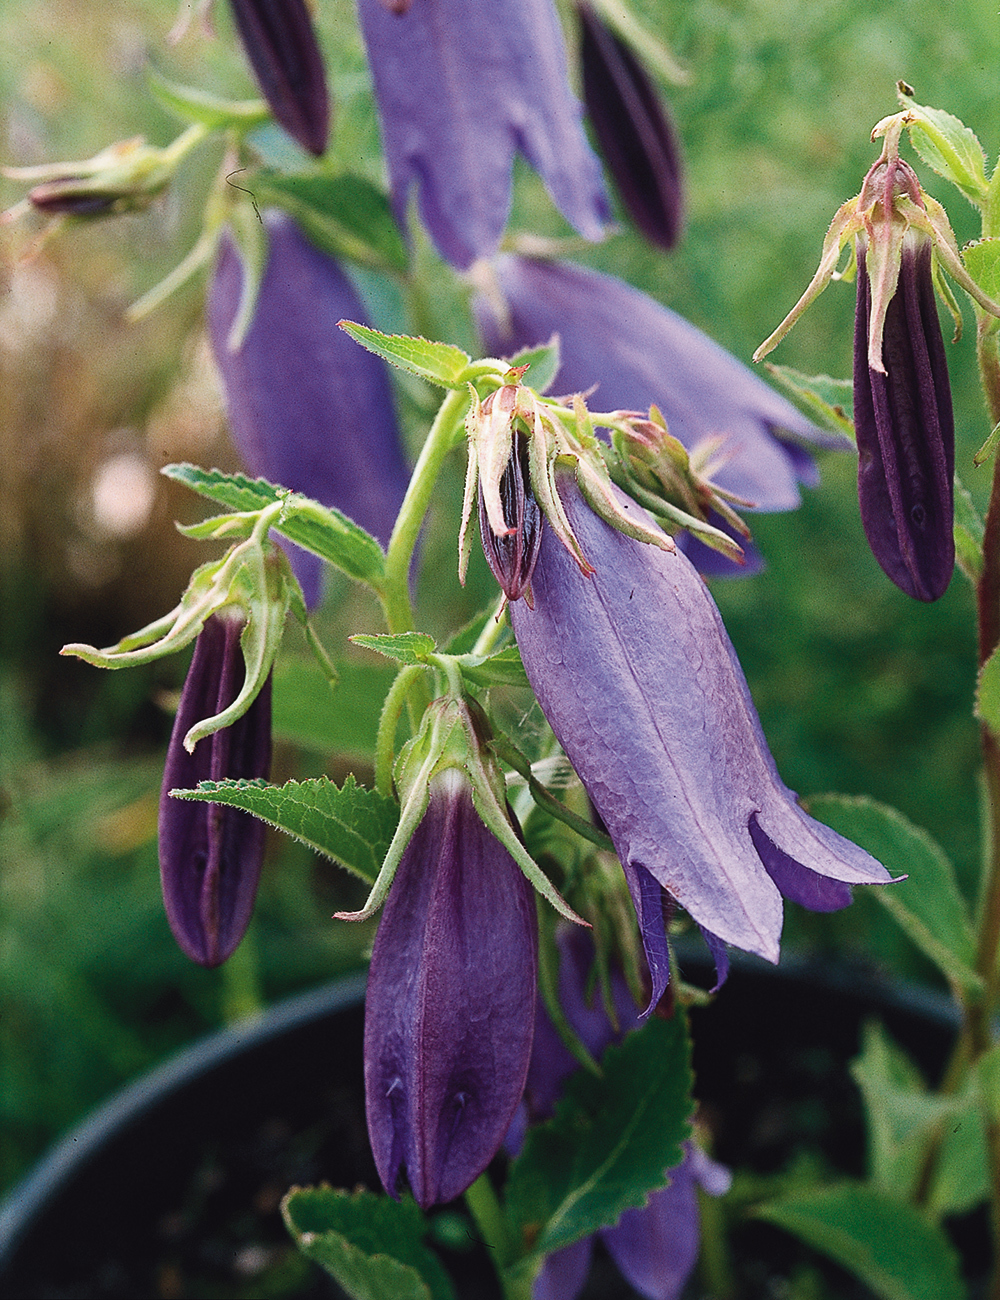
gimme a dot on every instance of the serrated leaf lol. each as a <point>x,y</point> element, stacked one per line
<point>988,693</point>
<point>968,534</point>
<point>948,146</point>
<point>611,1141</point>
<point>439,363</point>
<point>371,1244</point>
<point>501,669</point>
<point>982,261</point>
<point>321,529</point>
<point>830,402</point>
<point>889,1245</point>
<point>405,647</point>
<point>193,105</point>
<point>345,216</point>
<point>928,904</point>
<point>351,824</point>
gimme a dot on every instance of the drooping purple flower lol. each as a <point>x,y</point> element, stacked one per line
<point>656,1246</point>
<point>905,429</point>
<point>308,408</point>
<point>634,132</point>
<point>449,1013</point>
<point>211,855</point>
<point>638,352</point>
<point>280,43</point>
<point>637,677</point>
<point>461,87</point>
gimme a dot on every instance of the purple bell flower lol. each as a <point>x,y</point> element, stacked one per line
<point>450,1008</point>
<point>308,408</point>
<point>656,1246</point>
<point>635,135</point>
<point>211,855</point>
<point>461,87</point>
<point>280,43</point>
<point>638,353</point>
<point>637,677</point>
<point>905,429</point>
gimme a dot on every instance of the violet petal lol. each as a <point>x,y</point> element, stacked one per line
<point>656,1247</point>
<point>461,87</point>
<point>905,431</point>
<point>450,1009</point>
<point>647,897</point>
<point>281,45</point>
<point>564,1272</point>
<point>211,855</point>
<point>308,408</point>
<point>635,673</point>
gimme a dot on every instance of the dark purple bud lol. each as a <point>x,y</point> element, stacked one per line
<point>512,557</point>
<point>640,354</point>
<point>308,408</point>
<point>461,88</point>
<point>211,855</point>
<point>634,671</point>
<point>70,196</point>
<point>450,1008</point>
<point>633,131</point>
<point>905,429</point>
<point>280,43</point>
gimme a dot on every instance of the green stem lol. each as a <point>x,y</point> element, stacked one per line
<point>392,707</point>
<point>495,1231</point>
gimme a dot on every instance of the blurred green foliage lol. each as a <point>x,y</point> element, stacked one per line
<point>859,689</point>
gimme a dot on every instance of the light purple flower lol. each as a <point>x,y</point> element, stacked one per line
<point>638,352</point>
<point>637,677</point>
<point>280,43</point>
<point>210,854</point>
<point>905,429</point>
<point>450,1008</point>
<point>308,408</point>
<point>461,87</point>
<point>634,132</point>
<point>656,1246</point>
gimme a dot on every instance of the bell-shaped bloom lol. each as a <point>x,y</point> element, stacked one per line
<point>450,1007</point>
<point>638,679</point>
<point>656,1246</point>
<point>211,855</point>
<point>308,408</point>
<point>905,428</point>
<point>461,87</point>
<point>280,43</point>
<point>638,353</point>
<point>634,133</point>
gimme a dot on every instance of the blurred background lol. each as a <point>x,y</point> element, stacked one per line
<point>860,690</point>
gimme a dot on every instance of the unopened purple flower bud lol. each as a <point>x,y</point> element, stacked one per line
<point>461,87</point>
<point>905,429</point>
<point>211,855</point>
<point>634,671</point>
<point>512,556</point>
<point>450,1008</point>
<point>308,408</point>
<point>68,197</point>
<point>634,132</point>
<point>280,43</point>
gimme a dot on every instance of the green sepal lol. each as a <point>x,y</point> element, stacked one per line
<point>946,145</point>
<point>969,531</point>
<point>373,1245</point>
<point>193,105</point>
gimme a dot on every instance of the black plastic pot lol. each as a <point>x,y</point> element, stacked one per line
<point>172,1188</point>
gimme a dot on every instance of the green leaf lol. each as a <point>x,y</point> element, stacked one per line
<point>440,363</point>
<point>320,529</point>
<point>830,402</point>
<point>988,693</point>
<point>351,824</point>
<point>192,105</point>
<point>306,710</point>
<point>928,904</point>
<point>406,647</point>
<point>371,1244</point>
<point>948,146</point>
<point>345,216</point>
<point>968,534</point>
<point>611,1141</point>
<point>889,1245</point>
<point>504,668</point>
<point>542,362</point>
<point>982,261</point>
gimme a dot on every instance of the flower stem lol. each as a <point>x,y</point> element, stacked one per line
<point>494,1229</point>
